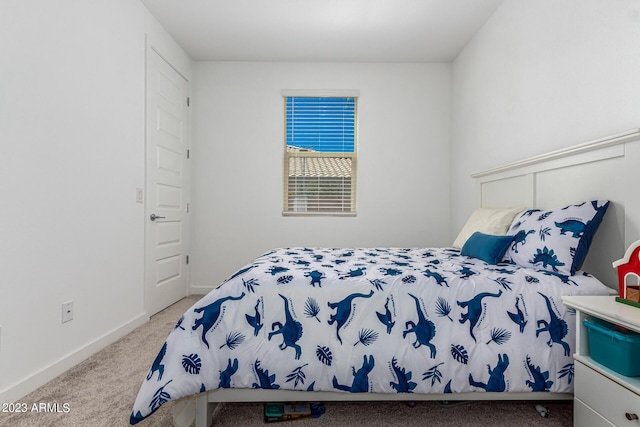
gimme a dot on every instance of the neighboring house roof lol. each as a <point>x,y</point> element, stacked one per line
<point>321,167</point>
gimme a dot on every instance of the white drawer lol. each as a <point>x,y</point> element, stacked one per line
<point>583,416</point>
<point>606,397</point>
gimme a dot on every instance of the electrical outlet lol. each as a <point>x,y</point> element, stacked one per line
<point>139,195</point>
<point>67,311</point>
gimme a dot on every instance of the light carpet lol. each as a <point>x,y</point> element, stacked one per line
<point>101,390</point>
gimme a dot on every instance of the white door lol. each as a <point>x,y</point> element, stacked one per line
<point>167,185</point>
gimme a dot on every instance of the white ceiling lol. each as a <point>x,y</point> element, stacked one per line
<point>322,30</point>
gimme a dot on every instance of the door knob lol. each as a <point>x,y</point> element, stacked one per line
<point>153,217</point>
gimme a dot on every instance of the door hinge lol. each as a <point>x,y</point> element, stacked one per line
<point>187,259</point>
<point>188,154</point>
<point>188,207</point>
<point>188,101</point>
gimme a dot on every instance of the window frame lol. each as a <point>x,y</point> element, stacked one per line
<point>289,154</point>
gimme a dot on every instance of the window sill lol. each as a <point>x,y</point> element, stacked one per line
<point>320,214</point>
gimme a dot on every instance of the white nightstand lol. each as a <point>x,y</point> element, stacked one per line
<point>602,397</point>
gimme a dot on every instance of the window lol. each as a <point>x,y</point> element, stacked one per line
<point>320,153</point>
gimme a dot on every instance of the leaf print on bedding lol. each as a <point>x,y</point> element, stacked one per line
<point>378,283</point>
<point>499,336</point>
<point>504,282</point>
<point>566,371</point>
<point>234,339</point>
<point>312,308</point>
<point>443,309</point>
<point>433,374</point>
<point>283,280</point>
<point>297,376</point>
<point>407,280</point>
<point>160,398</point>
<point>191,363</point>
<point>366,337</point>
<point>459,353</point>
<point>544,233</point>
<point>249,284</point>
<point>324,355</point>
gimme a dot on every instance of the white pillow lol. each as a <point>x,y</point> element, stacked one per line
<point>487,221</point>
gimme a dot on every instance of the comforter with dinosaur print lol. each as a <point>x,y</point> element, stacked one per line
<point>384,320</point>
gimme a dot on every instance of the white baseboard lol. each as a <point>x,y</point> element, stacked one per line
<point>46,374</point>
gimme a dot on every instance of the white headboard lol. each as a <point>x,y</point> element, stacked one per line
<point>605,169</point>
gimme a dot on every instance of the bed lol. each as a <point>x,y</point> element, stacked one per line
<point>482,319</point>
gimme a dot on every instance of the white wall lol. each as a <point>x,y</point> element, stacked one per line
<point>539,76</point>
<point>72,137</point>
<point>403,160</point>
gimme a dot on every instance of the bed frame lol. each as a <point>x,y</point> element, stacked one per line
<point>606,168</point>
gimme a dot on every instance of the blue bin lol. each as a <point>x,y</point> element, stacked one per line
<point>614,347</point>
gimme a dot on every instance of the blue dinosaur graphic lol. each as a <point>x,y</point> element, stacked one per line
<point>556,327</point>
<point>547,257</point>
<point>225,376</point>
<point>255,321</point>
<point>265,380</point>
<point>157,363</point>
<point>573,226</point>
<point>474,310</point>
<point>437,276</point>
<point>353,273</point>
<point>316,277</point>
<point>566,279</point>
<point>390,271</point>
<point>520,238</point>
<point>300,262</point>
<point>360,382</point>
<point>496,376</point>
<point>135,418</point>
<point>518,316</point>
<point>425,330</point>
<point>210,314</point>
<point>404,384</point>
<point>503,270</point>
<point>274,270</point>
<point>343,311</point>
<point>466,272</point>
<point>386,318</point>
<point>540,379</point>
<point>291,330</point>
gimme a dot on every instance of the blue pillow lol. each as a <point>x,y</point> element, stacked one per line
<point>555,240</point>
<point>487,247</point>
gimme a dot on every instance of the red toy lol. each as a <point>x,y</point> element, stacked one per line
<point>628,265</point>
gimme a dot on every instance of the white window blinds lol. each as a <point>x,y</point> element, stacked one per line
<point>320,155</point>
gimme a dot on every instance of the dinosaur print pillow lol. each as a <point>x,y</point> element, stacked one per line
<point>555,240</point>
